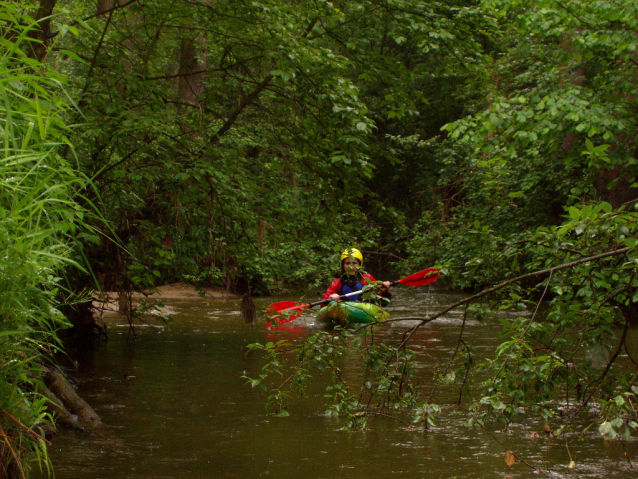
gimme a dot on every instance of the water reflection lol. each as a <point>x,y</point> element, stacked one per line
<point>174,405</point>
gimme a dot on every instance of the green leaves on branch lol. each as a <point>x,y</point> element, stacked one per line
<point>383,383</point>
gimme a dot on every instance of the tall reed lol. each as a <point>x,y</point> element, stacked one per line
<point>40,219</point>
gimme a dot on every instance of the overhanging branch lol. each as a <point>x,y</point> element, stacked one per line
<point>512,281</point>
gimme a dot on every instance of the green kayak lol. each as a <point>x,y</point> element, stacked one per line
<point>351,313</point>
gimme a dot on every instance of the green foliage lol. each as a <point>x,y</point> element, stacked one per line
<point>230,172</point>
<point>384,382</point>
<point>539,177</point>
<point>577,292</point>
<point>245,144</point>
<point>551,148</point>
<point>569,345</point>
<point>554,131</point>
<point>246,138</point>
<point>425,415</point>
<point>40,221</point>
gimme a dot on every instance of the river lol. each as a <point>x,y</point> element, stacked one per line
<point>174,405</point>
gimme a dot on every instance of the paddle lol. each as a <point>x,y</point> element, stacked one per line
<point>421,278</point>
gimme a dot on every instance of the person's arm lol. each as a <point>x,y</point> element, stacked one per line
<point>333,289</point>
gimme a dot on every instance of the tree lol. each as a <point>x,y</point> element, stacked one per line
<point>270,130</point>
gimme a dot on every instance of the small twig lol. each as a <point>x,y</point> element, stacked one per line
<point>95,54</point>
<point>456,351</point>
<point>467,371</point>
<point>383,254</point>
<point>611,361</point>
<point>518,458</point>
<point>624,450</point>
<point>373,413</point>
<point>117,6</point>
<point>393,320</point>
<point>526,327</point>
<point>568,451</point>
<point>581,20</point>
<point>16,458</point>
<point>629,355</point>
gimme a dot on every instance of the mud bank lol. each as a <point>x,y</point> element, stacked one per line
<point>110,300</point>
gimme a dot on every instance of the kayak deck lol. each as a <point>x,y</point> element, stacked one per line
<point>344,313</point>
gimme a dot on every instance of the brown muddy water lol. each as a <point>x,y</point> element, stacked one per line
<point>174,405</point>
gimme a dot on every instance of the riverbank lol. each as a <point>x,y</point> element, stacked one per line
<point>109,300</point>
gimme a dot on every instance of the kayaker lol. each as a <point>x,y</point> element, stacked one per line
<point>352,278</point>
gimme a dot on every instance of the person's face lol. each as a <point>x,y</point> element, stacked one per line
<point>351,265</point>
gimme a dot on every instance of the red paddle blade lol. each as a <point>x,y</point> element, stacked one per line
<point>421,278</point>
<point>283,306</point>
<point>285,330</point>
<point>283,312</point>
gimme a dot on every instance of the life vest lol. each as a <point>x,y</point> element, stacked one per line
<point>350,284</point>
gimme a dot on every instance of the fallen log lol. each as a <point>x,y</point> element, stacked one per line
<point>60,387</point>
<point>62,415</point>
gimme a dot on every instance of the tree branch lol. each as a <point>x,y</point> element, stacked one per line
<point>110,11</point>
<point>610,363</point>
<point>95,55</point>
<point>511,281</point>
<point>214,139</point>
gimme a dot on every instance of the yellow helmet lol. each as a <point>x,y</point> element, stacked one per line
<point>351,253</point>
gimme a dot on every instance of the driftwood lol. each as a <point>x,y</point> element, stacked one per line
<point>61,414</point>
<point>69,409</point>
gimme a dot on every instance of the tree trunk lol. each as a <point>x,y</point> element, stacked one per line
<point>248,308</point>
<point>42,35</point>
<point>190,84</point>
<point>104,6</point>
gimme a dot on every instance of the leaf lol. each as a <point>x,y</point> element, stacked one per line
<point>9,333</point>
<point>510,459</point>
<point>72,55</point>
<point>606,430</point>
<point>574,213</point>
